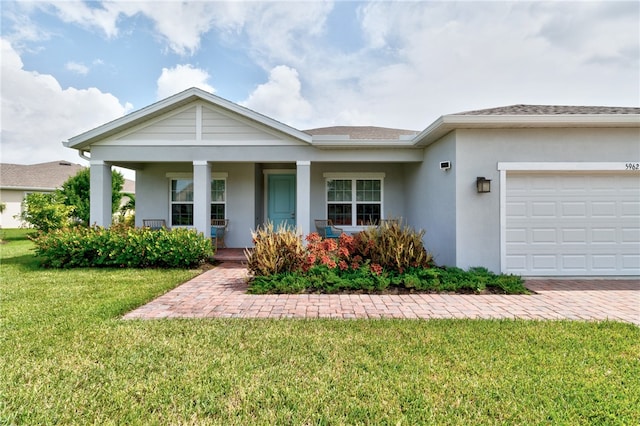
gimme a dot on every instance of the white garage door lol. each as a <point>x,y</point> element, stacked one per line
<point>585,223</point>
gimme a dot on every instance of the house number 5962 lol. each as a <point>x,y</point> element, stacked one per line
<point>632,166</point>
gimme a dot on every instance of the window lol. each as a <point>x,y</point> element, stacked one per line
<point>218,198</point>
<point>354,201</point>
<point>182,200</point>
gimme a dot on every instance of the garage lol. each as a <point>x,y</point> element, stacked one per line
<point>571,223</point>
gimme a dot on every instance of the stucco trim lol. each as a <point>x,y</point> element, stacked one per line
<point>189,175</point>
<point>449,123</point>
<point>354,175</point>
<point>566,166</point>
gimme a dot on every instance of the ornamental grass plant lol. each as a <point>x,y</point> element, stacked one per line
<point>276,250</point>
<point>393,245</point>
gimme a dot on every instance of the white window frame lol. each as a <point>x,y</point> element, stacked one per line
<point>224,203</point>
<point>354,177</point>
<point>214,176</point>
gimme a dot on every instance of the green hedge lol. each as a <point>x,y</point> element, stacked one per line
<point>321,279</point>
<point>121,246</point>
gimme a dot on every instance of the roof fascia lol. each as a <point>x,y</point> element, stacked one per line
<point>87,138</point>
<point>448,123</point>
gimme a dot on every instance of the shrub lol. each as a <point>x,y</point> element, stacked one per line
<point>372,261</point>
<point>121,246</point>
<point>276,251</point>
<point>393,246</point>
<point>323,279</point>
<point>45,211</point>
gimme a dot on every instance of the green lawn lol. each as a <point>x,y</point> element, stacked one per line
<point>68,358</point>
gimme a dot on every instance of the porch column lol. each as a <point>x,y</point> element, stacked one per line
<point>202,197</point>
<point>303,196</point>
<point>100,193</point>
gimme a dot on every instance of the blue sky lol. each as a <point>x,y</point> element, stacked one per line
<point>69,66</point>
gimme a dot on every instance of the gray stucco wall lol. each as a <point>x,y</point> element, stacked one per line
<point>478,153</point>
<point>431,200</point>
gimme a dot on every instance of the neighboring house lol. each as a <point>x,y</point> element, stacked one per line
<point>564,193</point>
<point>18,180</point>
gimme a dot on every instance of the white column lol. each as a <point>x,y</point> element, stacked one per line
<point>100,198</point>
<point>303,196</point>
<point>202,197</point>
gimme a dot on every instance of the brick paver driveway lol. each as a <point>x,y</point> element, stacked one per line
<point>220,293</point>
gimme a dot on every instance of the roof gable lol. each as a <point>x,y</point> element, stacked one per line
<point>180,103</point>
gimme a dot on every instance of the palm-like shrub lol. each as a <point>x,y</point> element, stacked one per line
<point>275,251</point>
<point>393,245</point>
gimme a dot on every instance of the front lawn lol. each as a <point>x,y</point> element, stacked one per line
<point>67,358</point>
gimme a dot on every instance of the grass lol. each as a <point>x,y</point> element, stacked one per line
<point>66,357</point>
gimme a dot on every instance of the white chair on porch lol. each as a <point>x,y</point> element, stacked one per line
<point>218,231</point>
<point>154,224</point>
<point>326,229</point>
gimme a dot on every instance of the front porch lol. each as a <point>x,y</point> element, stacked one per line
<point>234,255</point>
<point>250,194</point>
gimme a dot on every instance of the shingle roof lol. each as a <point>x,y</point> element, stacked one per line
<point>362,132</point>
<point>551,110</point>
<point>45,176</point>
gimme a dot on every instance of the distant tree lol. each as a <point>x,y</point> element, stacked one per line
<point>76,193</point>
<point>127,214</point>
<point>45,211</point>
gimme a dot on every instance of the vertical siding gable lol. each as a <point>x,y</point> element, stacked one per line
<point>221,127</point>
<point>180,125</point>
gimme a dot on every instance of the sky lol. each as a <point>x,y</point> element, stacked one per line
<point>70,66</point>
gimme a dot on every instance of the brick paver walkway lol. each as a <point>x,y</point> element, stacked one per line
<point>220,293</point>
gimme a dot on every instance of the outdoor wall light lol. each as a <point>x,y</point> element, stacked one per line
<point>483,184</point>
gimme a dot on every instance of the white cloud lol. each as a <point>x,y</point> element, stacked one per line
<point>182,77</point>
<point>285,32</point>
<point>103,16</point>
<point>37,114</point>
<point>23,28</point>
<point>77,67</point>
<point>410,62</point>
<point>180,25</point>
<point>425,59</point>
<point>281,97</point>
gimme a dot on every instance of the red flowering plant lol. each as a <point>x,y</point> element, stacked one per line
<point>336,254</point>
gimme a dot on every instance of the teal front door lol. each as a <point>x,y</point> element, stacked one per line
<point>281,200</point>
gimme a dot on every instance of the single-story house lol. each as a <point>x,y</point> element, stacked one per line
<point>527,189</point>
<point>18,180</point>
